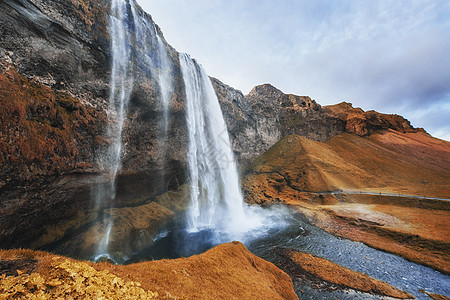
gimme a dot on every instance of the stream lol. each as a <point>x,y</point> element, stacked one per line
<point>291,230</point>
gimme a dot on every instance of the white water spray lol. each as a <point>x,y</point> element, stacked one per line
<point>121,84</point>
<point>216,199</point>
<point>165,80</point>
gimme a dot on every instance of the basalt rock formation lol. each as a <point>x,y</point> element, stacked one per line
<point>65,46</point>
<point>55,77</point>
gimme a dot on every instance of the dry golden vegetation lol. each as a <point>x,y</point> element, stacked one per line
<point>301,172</point>
<point>384,162</point>
<point>228,271</point>
<point>27,274</point>
<point>43,132</point>
<point>341,276</point>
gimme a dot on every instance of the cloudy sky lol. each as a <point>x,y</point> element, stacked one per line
<point>390,56</point>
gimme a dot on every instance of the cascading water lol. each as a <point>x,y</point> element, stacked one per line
<point>151,55</point>
<point>154,57</point>
<point>157,60</point>
<point>165,80</point>
<point>216,212</point>
<point>216,199</point>
<point>121,84</point>
<point>217,204</point>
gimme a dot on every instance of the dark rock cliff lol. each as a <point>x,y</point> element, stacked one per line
<point>55,77</point>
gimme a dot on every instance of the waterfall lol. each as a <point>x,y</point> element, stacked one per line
<point>149,54</point>
<point>156,58</point>
<point>216,200</point>
<point>153,57</point>
<point>164,80</point>
<point>121,83</point>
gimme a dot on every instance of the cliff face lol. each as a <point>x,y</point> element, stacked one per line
<point>62,44</point>
<point>55,66</point>
<point>55,82</point>
<point>65,46</point>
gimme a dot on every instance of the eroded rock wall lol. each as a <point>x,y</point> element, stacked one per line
<point>55,82</point>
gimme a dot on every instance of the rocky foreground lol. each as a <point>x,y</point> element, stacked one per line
<point>228,271</point>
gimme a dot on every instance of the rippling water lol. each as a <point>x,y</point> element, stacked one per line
<point>296,233</point>
<point>302,236</point>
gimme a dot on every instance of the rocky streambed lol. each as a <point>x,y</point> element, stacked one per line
<point>288,232</point>
<point>396,271</point>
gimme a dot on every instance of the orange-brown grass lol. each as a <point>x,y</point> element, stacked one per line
<point>421,148</point>
<point>404,201</point>
<point>296,170</point>
<point>228,271</point>
<point>43,132</point>
<point>419,235</point>
<point>350,162</point>
<point>331,272</point>
<point>435,296</point>
<point>428,224</point>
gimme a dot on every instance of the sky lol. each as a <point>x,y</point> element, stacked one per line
<point>389,56</point>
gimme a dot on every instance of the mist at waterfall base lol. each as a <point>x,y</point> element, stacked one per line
<point>177,240</point>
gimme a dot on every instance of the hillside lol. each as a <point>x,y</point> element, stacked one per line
<point>114,146</point>
<point>386,162</point>
<point>375,189</point>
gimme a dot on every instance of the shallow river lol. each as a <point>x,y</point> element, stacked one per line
<point>298,234</point>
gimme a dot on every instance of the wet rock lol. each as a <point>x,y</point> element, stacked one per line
<point>133,229</point>
<point>54,89</point>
